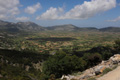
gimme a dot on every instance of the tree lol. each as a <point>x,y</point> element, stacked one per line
<point>106,55</point>
<point>92,59</point>
<point>61,63</point>
<point>117,45</point>
<point>54,65</point>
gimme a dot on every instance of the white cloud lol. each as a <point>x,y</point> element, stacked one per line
<point>114,20</point>
<point>51,13</point>
<point>32,9</point>
<point>83,11</point>
<point>22,18</point>
<point>8,8</point>
<point>89,9</point>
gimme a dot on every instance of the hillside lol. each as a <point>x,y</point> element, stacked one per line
<point>40,57</point>
<point>68,27</point>
<point>29,26</point>
<point>20,65</point>
<point>110,29</point>
<point>20,26</point>
<point>106,70</point>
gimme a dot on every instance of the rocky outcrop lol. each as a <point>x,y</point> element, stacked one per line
<point>68,77</point>
<point>115,59</point>
<point>96,70</point>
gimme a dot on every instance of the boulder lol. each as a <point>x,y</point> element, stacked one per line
<point>68,77</point>
<point>99,69</point>
<point>65,77</point>
<point>115,59</point>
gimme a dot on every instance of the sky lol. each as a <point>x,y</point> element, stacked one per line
<point>82,13</point>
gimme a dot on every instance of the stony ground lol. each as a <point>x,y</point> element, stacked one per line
<point>113,75</point>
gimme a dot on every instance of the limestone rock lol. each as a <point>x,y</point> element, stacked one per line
<point>115,59</point>
<point>68,77</point>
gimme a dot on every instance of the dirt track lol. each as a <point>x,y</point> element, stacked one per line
<point>113,75</point>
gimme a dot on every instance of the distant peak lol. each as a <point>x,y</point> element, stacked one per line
<point>26,23</point>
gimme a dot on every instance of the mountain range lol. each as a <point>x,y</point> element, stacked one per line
<point>31,26</point>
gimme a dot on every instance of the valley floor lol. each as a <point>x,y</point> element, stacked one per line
<point>113,75</point>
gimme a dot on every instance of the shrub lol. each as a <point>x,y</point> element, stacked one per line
<point>52,77</point>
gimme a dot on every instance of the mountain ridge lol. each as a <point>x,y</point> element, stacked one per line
<point>31,26</point>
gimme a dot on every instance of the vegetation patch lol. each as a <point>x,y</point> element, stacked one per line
<point>53,39</point>
<point>106,71</point>
<point>91,79</point>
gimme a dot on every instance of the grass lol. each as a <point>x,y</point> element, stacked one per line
<point>77,73</point>
<point>106,71</point>
<point>91,79</point>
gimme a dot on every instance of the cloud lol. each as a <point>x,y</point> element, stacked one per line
<point>22,19</point>
<point>32,9</point>
<point>89,9</point>
<point>8,8</point>
<point>2,16</point>
<point>83,11</point>
<point>51,13</point>
<point>114,20</point>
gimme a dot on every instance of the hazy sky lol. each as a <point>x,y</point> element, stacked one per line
<point>82,13</point>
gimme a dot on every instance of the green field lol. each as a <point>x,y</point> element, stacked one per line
<point>50,41</point>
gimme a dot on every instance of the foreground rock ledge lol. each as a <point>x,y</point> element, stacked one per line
<point>97,70</point>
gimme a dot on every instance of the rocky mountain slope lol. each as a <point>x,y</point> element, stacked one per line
<point>20,26</point>
<point>28,26</point>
